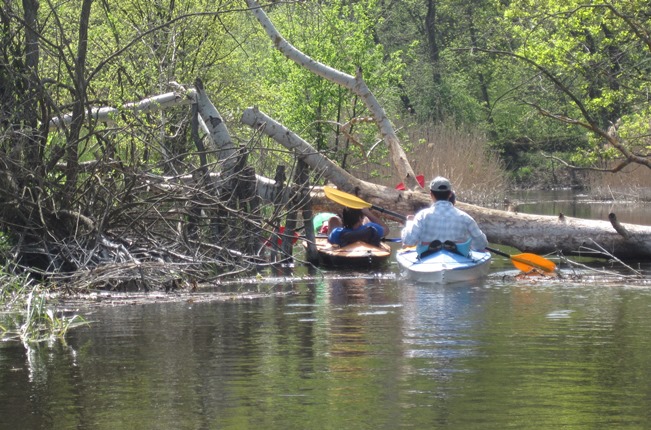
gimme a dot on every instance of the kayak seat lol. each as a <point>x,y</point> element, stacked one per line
<point>434,247</point>
<point>450,246</point>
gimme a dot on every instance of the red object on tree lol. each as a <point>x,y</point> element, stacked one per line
<point>419,178</point>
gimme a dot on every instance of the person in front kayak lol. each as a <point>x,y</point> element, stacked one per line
<point>358,225</point>
<point>442,222</point>
<point>321,222</point>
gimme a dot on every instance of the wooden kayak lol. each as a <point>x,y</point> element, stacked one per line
<point>443,266</point>
<point>358,254</point>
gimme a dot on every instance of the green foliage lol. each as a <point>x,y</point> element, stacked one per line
<point>598,58</point>
<point>12,288</point>
<point>432,58</point>
<point>499,65</point>
<point>521,73</point>
<point>524,175</point>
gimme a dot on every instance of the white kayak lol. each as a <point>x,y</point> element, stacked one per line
<point>443,266</point>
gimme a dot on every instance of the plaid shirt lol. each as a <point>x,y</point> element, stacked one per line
<point>443,221</point>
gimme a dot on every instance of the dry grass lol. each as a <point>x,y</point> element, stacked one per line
<point>460,154</point>
<point>632,184</point>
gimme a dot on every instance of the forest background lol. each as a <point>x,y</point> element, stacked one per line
<point>493,94</point>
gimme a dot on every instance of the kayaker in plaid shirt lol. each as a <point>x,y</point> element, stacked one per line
<point>442,221</point>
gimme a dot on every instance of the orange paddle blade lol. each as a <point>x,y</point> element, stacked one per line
<point>526,262</point>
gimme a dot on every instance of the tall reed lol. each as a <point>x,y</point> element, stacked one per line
<point>460,153</point>
<point>633,183</point>
<point>28,316</point>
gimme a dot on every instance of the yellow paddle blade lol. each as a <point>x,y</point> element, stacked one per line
<point>345,199</point>
<point>526,262</point>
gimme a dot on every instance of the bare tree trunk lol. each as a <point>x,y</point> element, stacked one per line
<point>226,150</point>
<point>320,164</point>
<point>32,57</point>
<point>72,157</point>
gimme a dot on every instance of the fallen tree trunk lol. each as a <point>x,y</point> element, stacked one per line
<point>539,234</point>
<point>546,234</point>
<point>528,233</point>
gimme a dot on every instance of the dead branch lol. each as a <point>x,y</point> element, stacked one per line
<point>619,228</point>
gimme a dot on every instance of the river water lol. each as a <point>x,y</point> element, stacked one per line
<point>347,350</point>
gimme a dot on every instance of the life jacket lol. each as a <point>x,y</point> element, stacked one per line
<point>366,234</point>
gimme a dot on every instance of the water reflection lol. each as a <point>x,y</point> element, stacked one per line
<point>437,319</point>
<point>348,351</point>
<point>353,291</point>
<point>577,205</point>
<point>353,302</point>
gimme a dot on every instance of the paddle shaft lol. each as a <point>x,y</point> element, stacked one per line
<point>384,239</point>
<point>498,252</point>
<point>388,212</point>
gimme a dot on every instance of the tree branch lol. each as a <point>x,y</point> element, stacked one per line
<point>355,84</point>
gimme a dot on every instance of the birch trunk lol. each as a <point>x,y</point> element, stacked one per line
<point>355,84</point>
<point>226,150</point>
<point>149,104</point>
<point>320,165</point>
